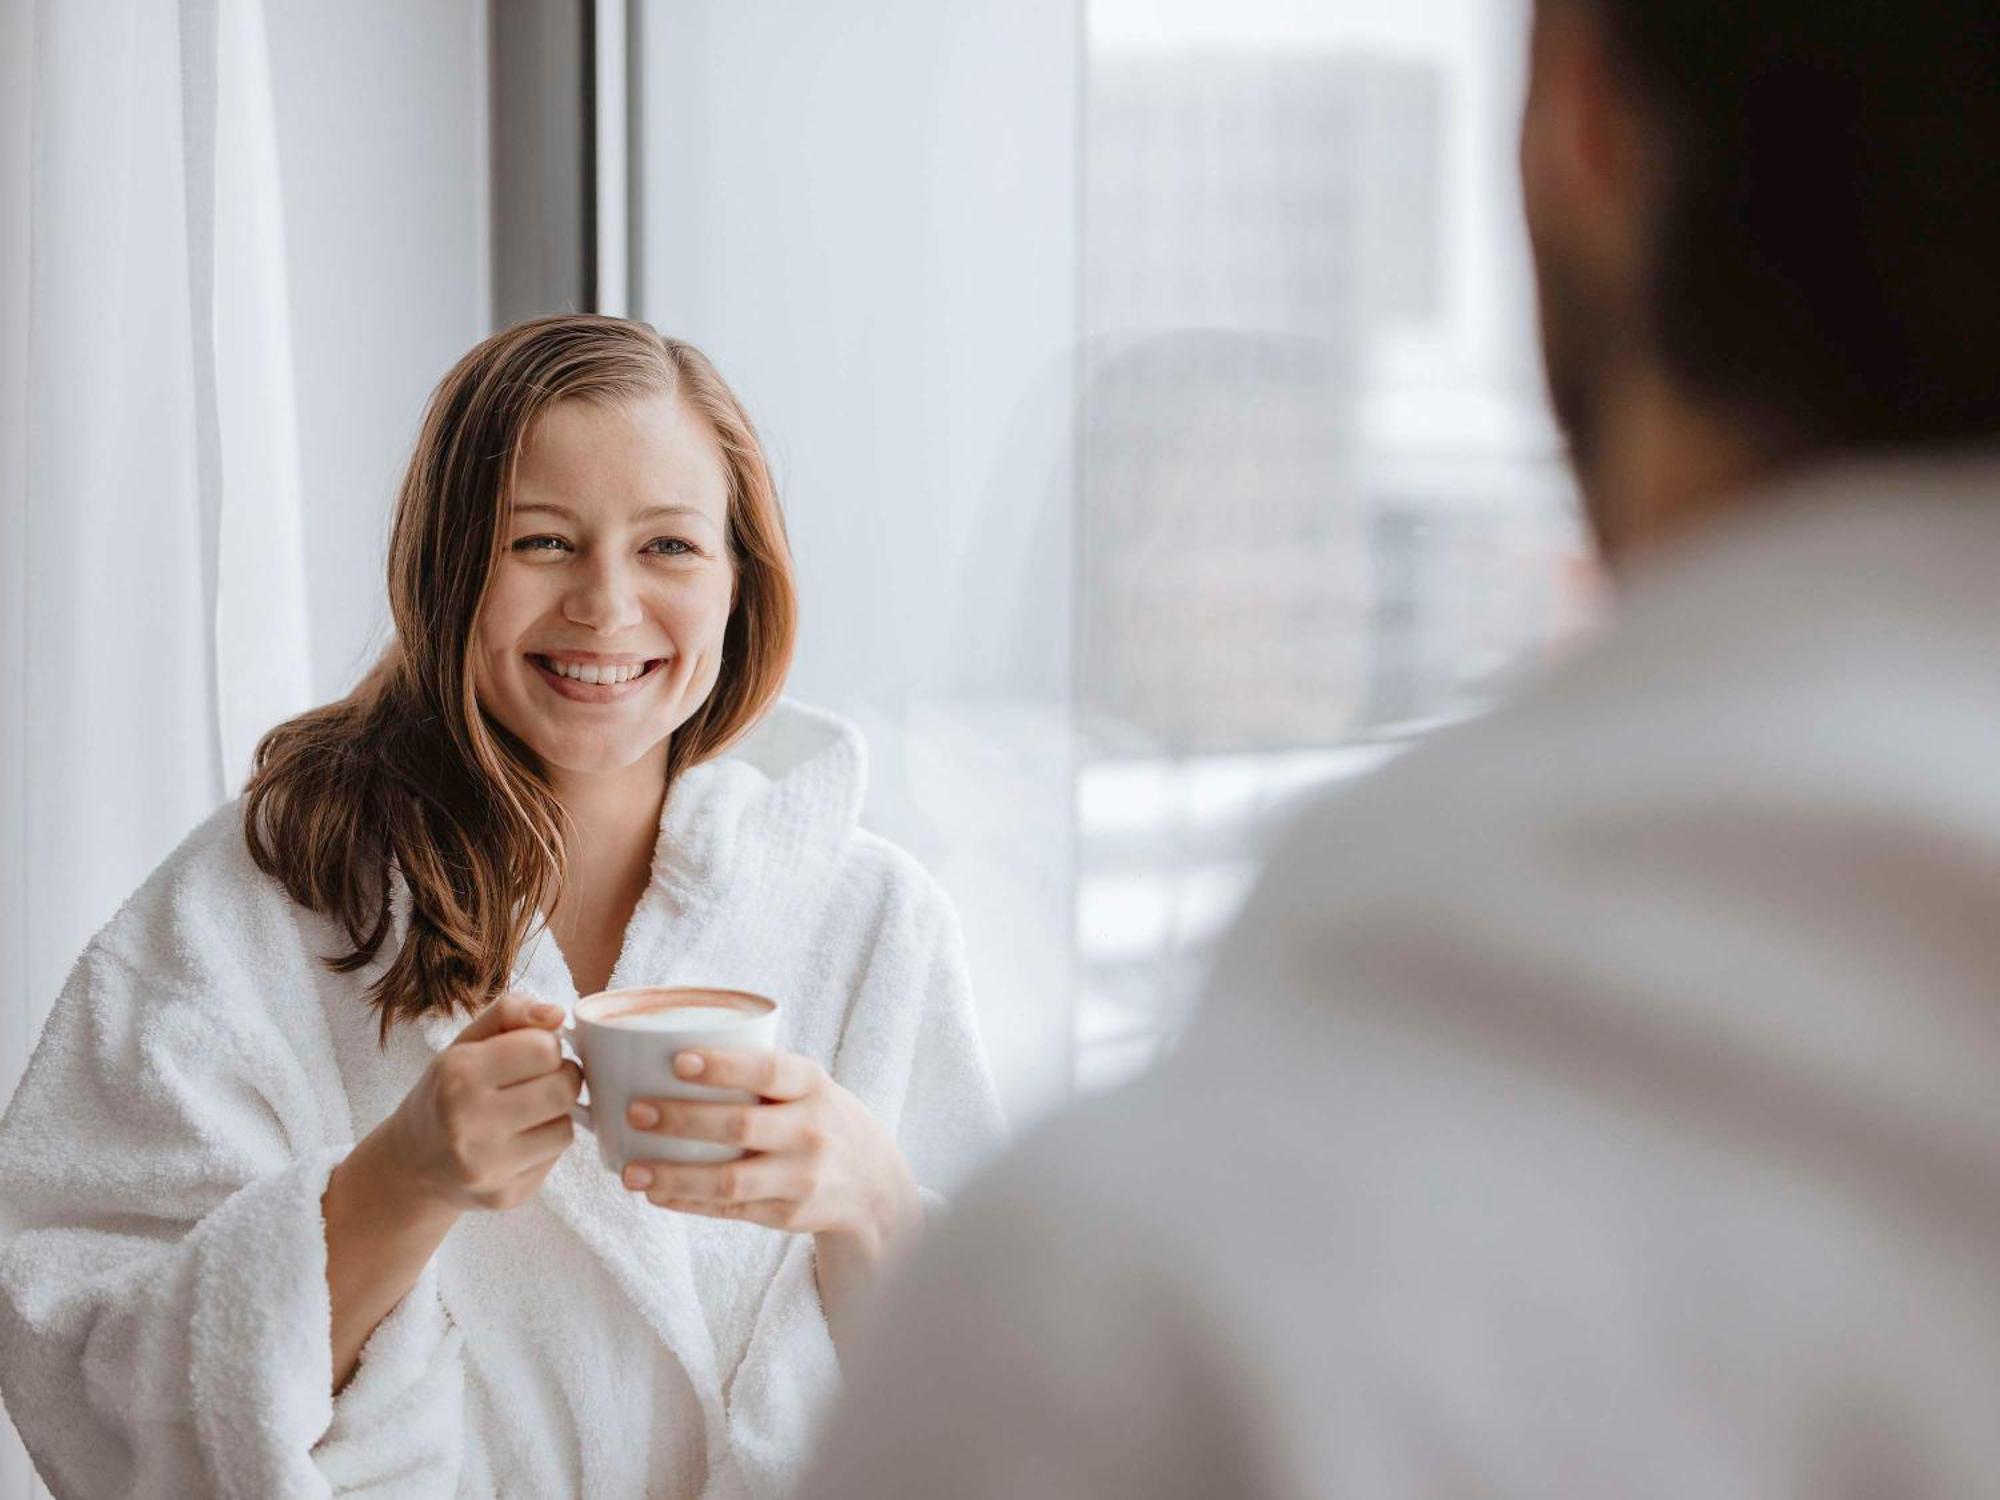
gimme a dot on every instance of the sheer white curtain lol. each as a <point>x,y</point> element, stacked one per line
<point>152,587</point>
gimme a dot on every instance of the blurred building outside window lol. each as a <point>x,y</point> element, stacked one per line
<point>1322,507</point>
<point>1154,393</point>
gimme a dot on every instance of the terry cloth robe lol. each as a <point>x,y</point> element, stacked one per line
<point>164,1315</point>
<point>1602,1100</point>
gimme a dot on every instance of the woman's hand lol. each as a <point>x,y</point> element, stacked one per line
<point>480,1129</point>
<point>820,1162</point>
<point>490,1115</point>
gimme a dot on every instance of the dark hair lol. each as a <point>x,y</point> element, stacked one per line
<point>409,766</point>
<point>1829,238</point>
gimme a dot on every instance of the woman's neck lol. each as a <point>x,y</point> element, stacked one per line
<point>616,820</point>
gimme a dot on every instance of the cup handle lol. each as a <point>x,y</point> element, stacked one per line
<point>579,1111</point>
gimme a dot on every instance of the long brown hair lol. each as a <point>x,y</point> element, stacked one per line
<point>408,766</point>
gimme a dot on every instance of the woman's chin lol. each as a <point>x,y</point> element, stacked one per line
<point>570,757</point>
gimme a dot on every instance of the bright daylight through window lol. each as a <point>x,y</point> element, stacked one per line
<point>1321,505</point>
<point>1154,395</point>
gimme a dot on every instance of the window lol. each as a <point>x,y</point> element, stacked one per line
<point>1322,506</point>
<point>1154,394</point>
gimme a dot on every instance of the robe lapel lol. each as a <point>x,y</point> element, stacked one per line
<point>645,1249</point>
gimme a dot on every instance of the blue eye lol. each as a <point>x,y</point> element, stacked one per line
<point>680,548</point>
<point>533,543</point>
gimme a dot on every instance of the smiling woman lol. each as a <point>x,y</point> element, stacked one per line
<point>276,1216</point>
<point>587,491</point>
<point>649,569</point>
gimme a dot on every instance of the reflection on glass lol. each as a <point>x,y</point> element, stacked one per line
<point>1320,506</point>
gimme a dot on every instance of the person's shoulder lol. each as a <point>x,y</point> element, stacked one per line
<point>1040,1294</point>
<point>1625,728</point>
<point>205,970</point>
<point>1097,1228</point>
<point>1098,1160</point>
<point>893,872</point>
<point>208,893</point>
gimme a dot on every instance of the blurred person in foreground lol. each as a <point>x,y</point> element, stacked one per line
<point>1602,1100</point>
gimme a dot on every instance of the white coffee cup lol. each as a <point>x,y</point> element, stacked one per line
<point>627,1041</point>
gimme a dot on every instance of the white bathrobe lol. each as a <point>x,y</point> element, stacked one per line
<point>1602,1101</point>
<point>164,1316</point>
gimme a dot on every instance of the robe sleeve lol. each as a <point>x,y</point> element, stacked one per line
<point>911,1052</point>
<point>165,1323</point>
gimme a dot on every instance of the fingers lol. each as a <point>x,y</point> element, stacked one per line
<point>538,1151</point>
<point>513,1057</point>
<point>747,1181</point>
<point>772,1213</point>
<point>770,1075</point>
<point>754,1127</point>
<point>547,1097</point>
<point>511,1011</point>
<point>540,1146</point>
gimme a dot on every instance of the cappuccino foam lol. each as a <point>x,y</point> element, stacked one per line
<point>680,1018</point>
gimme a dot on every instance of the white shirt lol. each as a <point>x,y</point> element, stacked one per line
<point>1605,1099</point>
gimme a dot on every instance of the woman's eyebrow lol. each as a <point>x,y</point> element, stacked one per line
<point>651,513</point>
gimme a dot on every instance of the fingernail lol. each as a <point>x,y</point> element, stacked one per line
<point>638,1177</point>
<point>643,1115</point>
<point>688,1065</point>
<point>545,1013</point>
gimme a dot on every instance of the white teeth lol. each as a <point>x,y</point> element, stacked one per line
<point>596,676</point>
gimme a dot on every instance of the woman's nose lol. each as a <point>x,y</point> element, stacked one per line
<point>605,598</point>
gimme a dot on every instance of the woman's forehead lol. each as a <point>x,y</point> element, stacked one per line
<point>606,460</point>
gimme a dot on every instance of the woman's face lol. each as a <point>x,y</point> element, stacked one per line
<point>616,566</point>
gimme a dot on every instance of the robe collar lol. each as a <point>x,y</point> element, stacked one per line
<point>775,810</point>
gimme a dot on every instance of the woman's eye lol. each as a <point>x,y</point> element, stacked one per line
<point>665,546</point>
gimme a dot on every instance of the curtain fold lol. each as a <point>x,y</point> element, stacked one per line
<point>154,619</point>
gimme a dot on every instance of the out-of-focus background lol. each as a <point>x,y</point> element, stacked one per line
<point>1151,385</point>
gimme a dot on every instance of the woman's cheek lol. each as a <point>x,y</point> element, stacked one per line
<point>708,621</point>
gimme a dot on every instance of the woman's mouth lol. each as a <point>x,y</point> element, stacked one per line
<point>590,683</point>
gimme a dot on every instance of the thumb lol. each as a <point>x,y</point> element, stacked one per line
<point>513,1010</point>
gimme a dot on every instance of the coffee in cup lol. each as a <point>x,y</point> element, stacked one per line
<point>627,1041</point>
